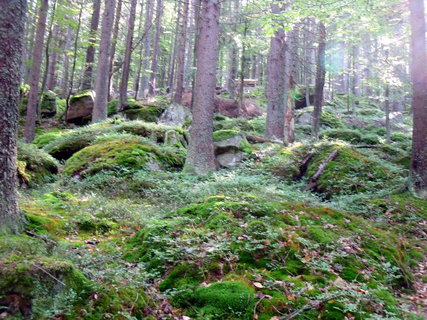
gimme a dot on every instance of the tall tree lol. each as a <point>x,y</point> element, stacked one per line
<point>127,58</point>
<point>275,86</point>
<point>419,99</point>
<point>114,44</point>
<point>102,76</point>
<point>30,122</point>
<point>155,63</point>
<point>181,53</point>
<point>147,46</point>
<point>200,157</point>
<point>12,22</point>
<point>90,51</point>
<point>320,81</point>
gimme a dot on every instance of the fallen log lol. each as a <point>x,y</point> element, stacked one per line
<point>255,139</point>
<point>316,176</point>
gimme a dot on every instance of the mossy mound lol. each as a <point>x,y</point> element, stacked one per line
<point>135,110</point>
<point>312,252</point>
<point>351,136</point>
<point>122,153</point>
<point>72,141</point>
<point>44,139</point>
<point>40,286</point>
<point>35,166</point>
<point>350,172</point>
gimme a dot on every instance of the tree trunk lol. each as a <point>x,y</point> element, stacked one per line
<point>51,79</point>
<point>387,113</point>
<point>12,23</point>
<point>275,86</point>
<point>147,47</point>
<point>233,52</point>
<point>90,51</point>
<point>181,54</point>
<point>320,82</point>
<point>200,156</point>
<point>114,45</point>
<point>138,68</point>
<point>101,83</point>
<point>291,63</point>
<point>154,64</point>
<point>419,99</point>
<point>66,76</point>
<point>127,58</point>
<point>30,122</point>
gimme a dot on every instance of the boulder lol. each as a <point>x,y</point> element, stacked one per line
<point>305,119</point>
<point>229,107</point>
<point>48,104</point>
<point>230,147</point>
<point>81,106</point>
<point>229,159</point>
<point>175,115</point>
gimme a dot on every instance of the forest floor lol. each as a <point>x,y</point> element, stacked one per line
<point>116,231</point>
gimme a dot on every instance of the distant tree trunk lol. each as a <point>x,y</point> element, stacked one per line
<point>355,77</point>
<point>387,113</point>
<point>291,69</point>
<point>181,54</point>
<point>233,52</point>
<point>137,73</point>
<point>275,86</point>
<point>154,64</point>
<point>73,68</point>
<point>51,79</point>
<point>66,76</point>
<point>30,30</point>
<point>147,47</point>
<point>200,156</point>
<point>101,83</point>
<point>127,59</point>
<point>320,82</point>
<point>419,99</point>
<point>90,51</point>
<point>114,45</point>
<point>30,121</point>
<point>12,22</point>
<point>47,56</point>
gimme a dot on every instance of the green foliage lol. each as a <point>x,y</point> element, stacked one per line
<point>222,135</point>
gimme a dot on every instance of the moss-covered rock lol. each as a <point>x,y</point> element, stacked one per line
<point>122,153</point>
<point>72,141</point>
<point>48,104</point>
<point>35,166</point>
<point>40,286</point>
<point>46,138</point>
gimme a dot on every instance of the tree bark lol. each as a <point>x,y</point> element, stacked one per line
<point>30,122</point>
<point>200,156</point>
<point>102,74</point>
<point>181,54</point>
<point>127,58</point>
<point>275,87</point>
<point>147,47</point>
<point>12,22</point>
<point>90,51</point>
<point>320,82</point>
<point>419,99</point>
<point>154,64</point>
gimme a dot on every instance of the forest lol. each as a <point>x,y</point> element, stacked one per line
<point>213,159</point>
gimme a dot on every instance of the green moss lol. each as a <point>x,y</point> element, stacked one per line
<point>222,135</point>
<point>148,114</point>
<point>331,120</point>
<point>46,138</point>
<point>39,166</point>
<point>348,135</point>
<point>95,225</point>
<point>181,277</point>
<point>223,299</point>
<point>79,95</point>
<point>47,283</point>
<point>321,235</point>
<point>124,152</point>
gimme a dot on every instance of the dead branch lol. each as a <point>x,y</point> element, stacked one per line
<point>315,177</point>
